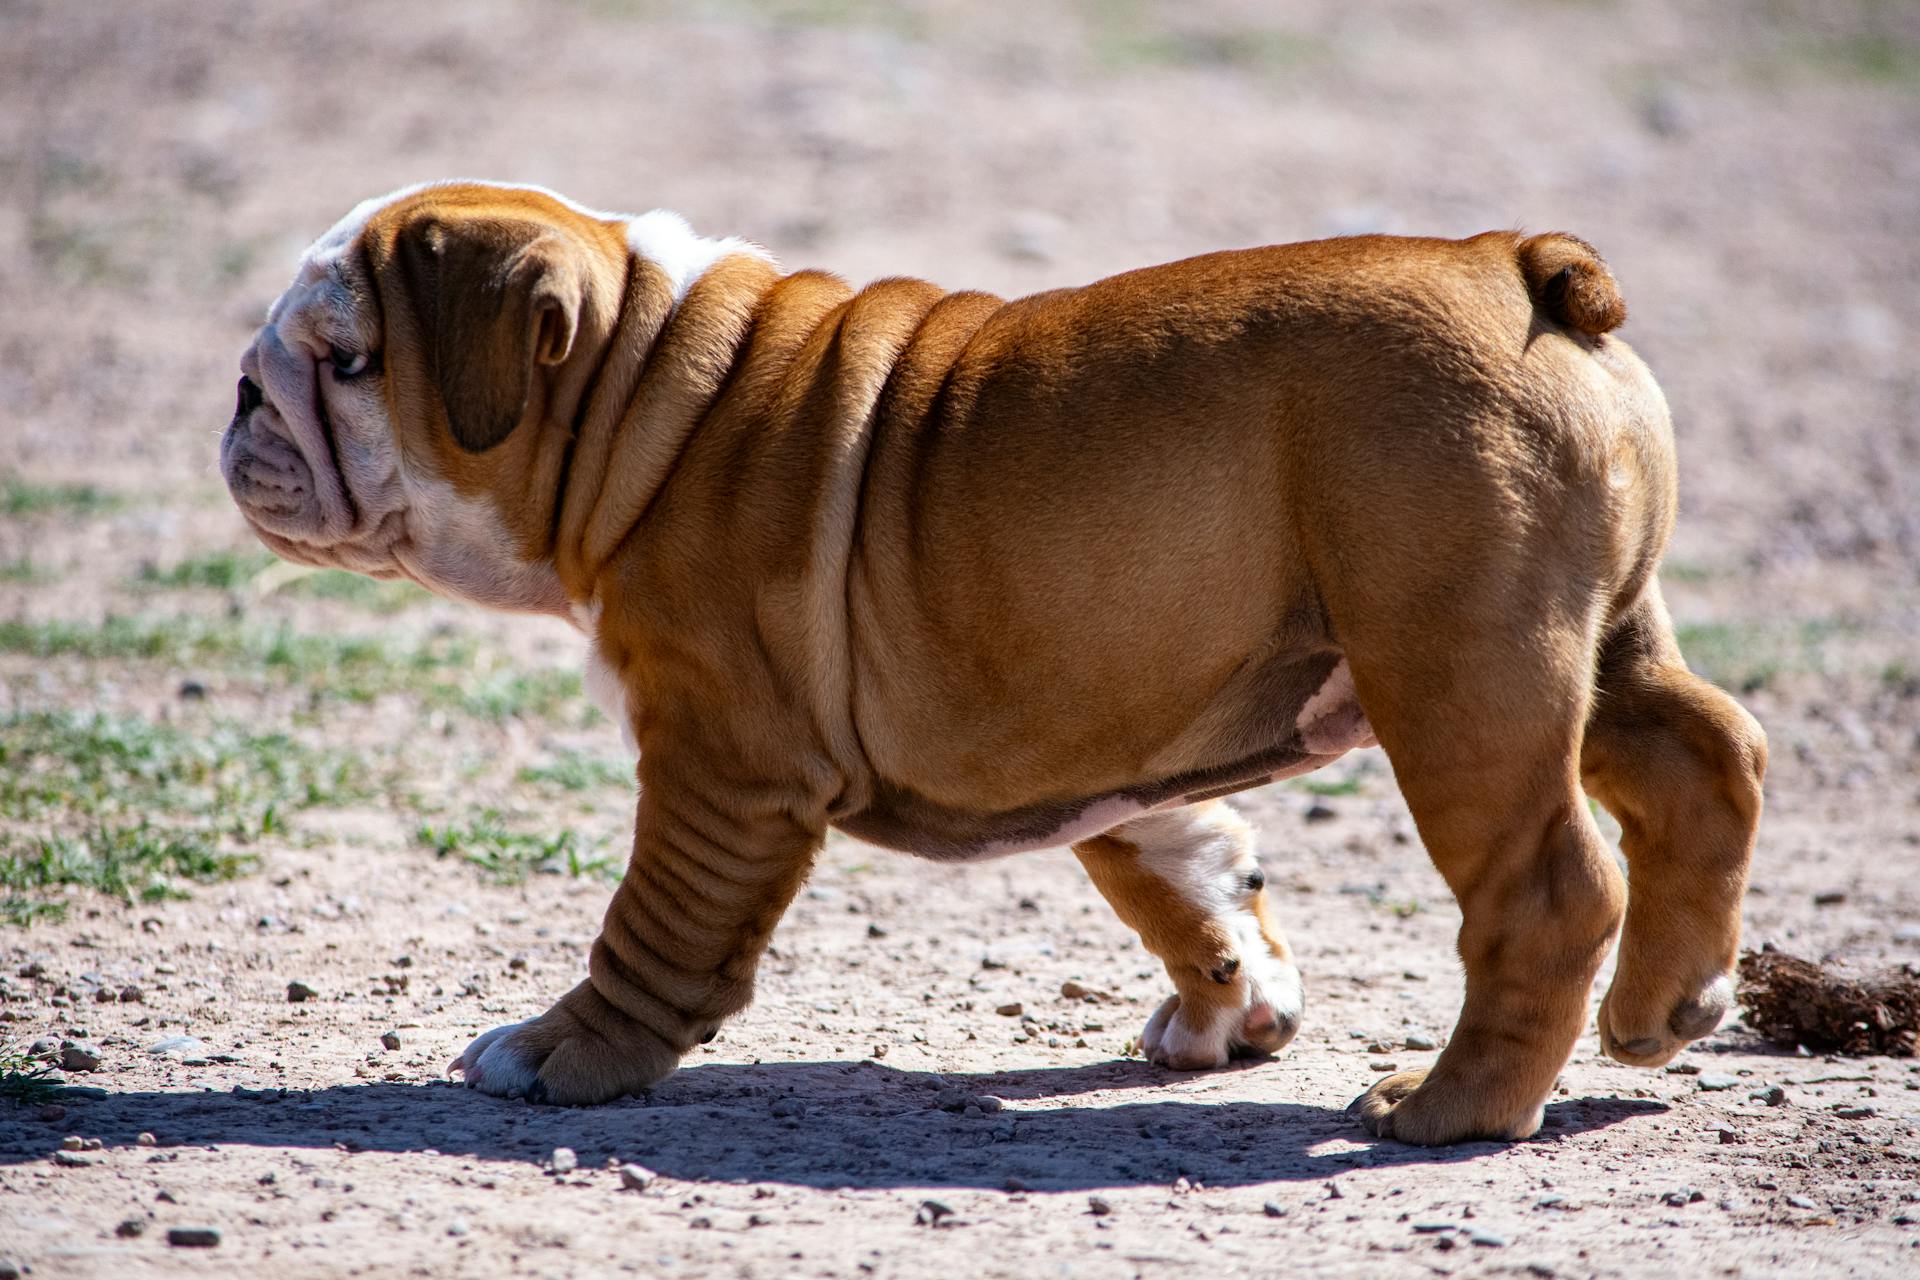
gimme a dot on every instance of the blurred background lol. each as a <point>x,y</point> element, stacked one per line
<point>1750,168</point>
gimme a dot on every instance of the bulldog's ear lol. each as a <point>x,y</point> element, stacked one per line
<point>493,299</point>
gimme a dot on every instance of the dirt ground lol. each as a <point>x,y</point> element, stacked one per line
<point>416,809</point>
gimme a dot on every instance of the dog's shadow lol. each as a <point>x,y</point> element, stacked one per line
<point>817,1124</point>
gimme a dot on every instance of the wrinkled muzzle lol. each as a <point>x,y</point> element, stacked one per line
<point>277,456</point>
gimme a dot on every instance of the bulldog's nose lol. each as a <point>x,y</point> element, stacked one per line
<point>250,397</point>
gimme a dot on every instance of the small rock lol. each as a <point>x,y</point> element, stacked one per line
<point>182,1047</point>
<point>1799,1202</point>
<point>192,691</point>
<point>1773,1095</point>
<point>1683,1069</point>
<point>9,1269</point>
<point>1907,935</point>
<point>1320,811</point>
<point>105,995</point>
<point>52,1113</point>
<point>76,1056</point>
<point>1014,1183</point>
<point>789,1107</point>
<point>300,993</point>
<point>1420,1043</point>
<point>989,1104</point>
<point>1853,1113</point>
<point>193,1237</point>
<point>1382,1064</point>
<point>458,1227</point>
<point>1727,1136</point>
<point>72,1160</point>
<point>1013,1010</point>
<point>390,1040</point>
<point>636,1177</point>
<point>147,1140</point>
<point>1487,1240</point>
<point>1716,1083</point>
<point>1433,1228</point>
<point>563,1160</point>
<point>132,995</point>
<point>876,931</point>
<point>1829,898</point>
<point>1682,1196</point>
<point>130,1228</point>
<point>1099,1206</point>
<point>45,1046</point>
<point>932,1213</point>
<point>1274,1209</point>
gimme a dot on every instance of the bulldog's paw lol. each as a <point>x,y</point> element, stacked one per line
<point>1646,1028</point>
<point>1255,1021</point>
<point>569,1056</point>
<point>1405,1108</point>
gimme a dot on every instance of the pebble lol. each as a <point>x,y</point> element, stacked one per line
<point>876,931</point>
<point>1012,1010</point>
<point>1099,1206</point>
<point>193,1237</point>
<point>563,1160</point>
<point>1382,1064</point>
<point>1683,1069</point>
<point>132,995</point>
<point>43,1046</point>
<point>390,1040</point>
<point>932,1213</point>
<point>300,992</point>
<point>458,1227</point>
<point>789,1107</point>
<point>72,1160</point>
<point>1907,935</point>
<point>1320,811</point>
<point>186,1048</point>
<point>1799,1202</point>
<point>192,690</point>
<point>131,1227</point>
<point>1433,1228</point>
<point>1274,1209</point>
<point>1420,1043</point>
<point>1773,1095</point>
<point>1716,1083</point>
<point>1728,1136</point>
<point>1682,1196</point>
<point>1487,1240</point>
<point>9,1269</point>
<point>75,1056</point>
<point>1853,1113</point>
<point>52,1113</point>
<point>636,1177</point>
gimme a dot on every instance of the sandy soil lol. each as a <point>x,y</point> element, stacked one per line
<point>1754,178</point>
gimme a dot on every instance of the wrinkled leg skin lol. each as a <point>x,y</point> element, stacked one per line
<point>1491,751</point>
<point>1187,882</point>
<point>1679,765</point>
<point>675,957</point>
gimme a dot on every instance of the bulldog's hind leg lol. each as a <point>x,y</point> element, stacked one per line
<point>1679,764</point>
<point>675,957</point>
<point>1484,735</point>
<point>1186,880</point>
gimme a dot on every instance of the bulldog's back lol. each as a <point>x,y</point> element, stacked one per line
<point>1079,563</point>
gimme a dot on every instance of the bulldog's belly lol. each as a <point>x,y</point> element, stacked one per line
<point>1326,726</point>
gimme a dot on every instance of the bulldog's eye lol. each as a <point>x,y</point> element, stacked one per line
<point>348,364</point>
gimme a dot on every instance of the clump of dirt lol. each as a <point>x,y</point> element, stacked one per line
<point>1792,1001</point>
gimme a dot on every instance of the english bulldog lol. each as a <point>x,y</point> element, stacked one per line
<point>965,576</point>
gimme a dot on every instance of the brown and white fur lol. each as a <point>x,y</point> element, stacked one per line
<point>965,576</point>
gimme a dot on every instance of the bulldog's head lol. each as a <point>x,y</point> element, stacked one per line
<point>406,409</point>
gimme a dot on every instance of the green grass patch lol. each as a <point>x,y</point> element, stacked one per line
<point>577,771</point>
<point>1748,656</point>
<point>507,857</point>
<point>23,1078</point>
<point>22,569</point>
<point>140,862</point>
<point>1351,785</point>
<point>445,670</point>
<point>20,496</point>
<point>135,809</point>
<point>232,570</point>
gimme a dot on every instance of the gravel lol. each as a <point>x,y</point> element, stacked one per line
<point>193,1237</point>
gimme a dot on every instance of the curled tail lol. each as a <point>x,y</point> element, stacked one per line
<point>1570,282</point>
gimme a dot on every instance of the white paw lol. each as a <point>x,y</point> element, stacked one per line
<point>1256,1018</point>
<point>495,1064</point>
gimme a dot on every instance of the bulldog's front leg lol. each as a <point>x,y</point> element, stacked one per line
<point>708,881</point>
<point>1188,883</point>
